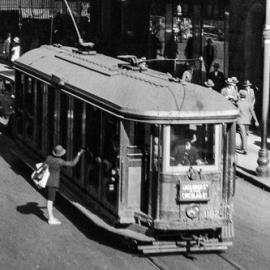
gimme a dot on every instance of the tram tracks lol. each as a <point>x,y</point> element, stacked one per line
<point>231,262</point>
<point>151,261</point>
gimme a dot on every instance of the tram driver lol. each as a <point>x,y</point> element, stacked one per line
<point>185,153</point>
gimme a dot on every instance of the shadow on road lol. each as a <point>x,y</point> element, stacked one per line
<point>32,208</point>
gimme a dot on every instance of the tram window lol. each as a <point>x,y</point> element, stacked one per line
<point>192,145</point>
<point>39,116</point>
<point>111,140</point>
<point>92,141</point>
<point>50,118</point>
<point>77,132</point>
<point>19,103</point>
<point>29,107</point>
<point>64,106</point>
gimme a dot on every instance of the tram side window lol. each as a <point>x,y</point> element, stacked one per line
<point>64,104</point>
<point>111,140</point>
<point>92,141</point>
<point>19,102</point>
<point>29,107</point>
<point>50,118</point>
<point>77,132</point>
<point>39,116</point>
<point>192,145</point>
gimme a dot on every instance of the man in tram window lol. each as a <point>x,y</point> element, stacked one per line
<point>186,154</point>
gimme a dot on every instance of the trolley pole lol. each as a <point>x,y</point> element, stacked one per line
<point>263,160</point>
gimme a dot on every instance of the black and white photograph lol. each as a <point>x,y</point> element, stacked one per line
<point>134,134</point>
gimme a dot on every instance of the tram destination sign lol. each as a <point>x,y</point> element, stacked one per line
<point>194,191</point>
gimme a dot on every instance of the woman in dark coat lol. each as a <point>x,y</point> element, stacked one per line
<point>55,162</point>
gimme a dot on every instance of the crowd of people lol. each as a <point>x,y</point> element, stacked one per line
<point>241,95</point>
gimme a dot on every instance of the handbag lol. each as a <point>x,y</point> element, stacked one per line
<point>41,175</point>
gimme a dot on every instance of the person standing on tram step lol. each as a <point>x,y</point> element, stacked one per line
<point>55,162</point>
<point>246,112</point>
<point>15,50</point>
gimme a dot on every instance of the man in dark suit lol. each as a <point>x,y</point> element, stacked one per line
<point>217,77</point>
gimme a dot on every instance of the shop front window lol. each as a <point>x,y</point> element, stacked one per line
<point>183,33</point>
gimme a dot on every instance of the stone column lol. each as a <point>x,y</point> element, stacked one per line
<point>263,160</point>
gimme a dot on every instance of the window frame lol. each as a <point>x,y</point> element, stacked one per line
<point>180,169</point>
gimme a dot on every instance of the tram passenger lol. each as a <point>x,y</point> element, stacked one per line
<point>55,162</point>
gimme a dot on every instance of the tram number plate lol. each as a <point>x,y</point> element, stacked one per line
<point>194,191</point>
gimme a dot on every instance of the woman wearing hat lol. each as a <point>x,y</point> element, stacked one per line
<point>229,91</point>
<point>250,92</point>
<point>209,84</point>
<point>55,162</point>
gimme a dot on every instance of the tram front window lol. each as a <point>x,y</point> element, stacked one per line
<point>192,145</point>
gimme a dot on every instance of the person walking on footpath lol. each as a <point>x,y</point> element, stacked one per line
<point>15,50</point>
<point>6,47</point>
<point>246,113</point>
<point>250,92</point>
<point>230,92</point>
<point>55,162</point>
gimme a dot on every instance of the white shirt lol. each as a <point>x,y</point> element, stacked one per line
<point>15,53</point>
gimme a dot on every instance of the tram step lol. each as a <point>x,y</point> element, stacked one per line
<point>171,248</point>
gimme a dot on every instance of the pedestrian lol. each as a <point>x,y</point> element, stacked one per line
<point>15,50</point>
<point>235,82</point>
<point>250,92</point>
<point>208,55</point>
<point>188,73</point>
<point>229,91</point>
<point>209,84</point>
<point>217,77</point>
<point>246,113</point>
<point>6,47</point>
<point>55,162</point>
<point>171,48</point>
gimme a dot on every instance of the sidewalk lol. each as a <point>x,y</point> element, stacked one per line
<point>247,164</point>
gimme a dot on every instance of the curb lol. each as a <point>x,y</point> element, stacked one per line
<point>253,179</point>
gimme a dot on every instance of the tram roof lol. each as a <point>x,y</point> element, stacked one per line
<point>144,96</point>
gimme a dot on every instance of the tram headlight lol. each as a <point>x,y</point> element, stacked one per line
<point>192,211</point>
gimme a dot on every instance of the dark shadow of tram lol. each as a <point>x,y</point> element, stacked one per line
<point>159,165</point>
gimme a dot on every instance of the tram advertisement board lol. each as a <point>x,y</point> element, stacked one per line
<point>194,191</point>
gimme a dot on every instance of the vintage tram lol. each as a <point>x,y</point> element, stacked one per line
<point>138,177</point>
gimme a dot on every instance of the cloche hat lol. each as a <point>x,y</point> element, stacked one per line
<point>59,151</point>
<point>243,93</point>
<point>16,40</point>
<point>229,81</point>
<point>209,83</point>
<point>235,80</point>
<point>247,83</point>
